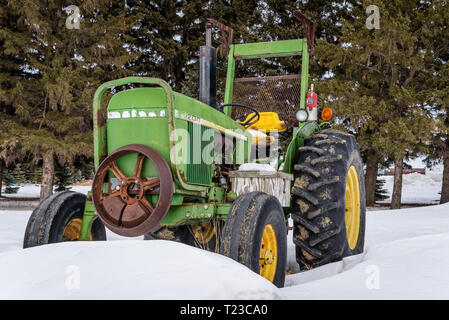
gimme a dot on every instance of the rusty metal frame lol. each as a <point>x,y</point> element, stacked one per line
<point>228,38</point>
<point>309,28</point>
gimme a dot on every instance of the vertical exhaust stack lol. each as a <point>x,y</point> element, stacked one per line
<point>208,71</point>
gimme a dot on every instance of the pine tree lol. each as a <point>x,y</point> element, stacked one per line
<point>12,69</point>
<point>437,82</point>
<point>375,87</point>
<point>35,174</point>
<point>19,173</point>
<point>8,177</point>
<point>63,69</point>
<point>64,178</point>
<point>2,166</point>
<point>380,191</point>
<point>166,39</point>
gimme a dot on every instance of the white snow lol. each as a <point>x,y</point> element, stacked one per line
<point>12,229</point>
<point>30,190</point>
<point>417,188</point>
<point>406,257</point>
<point>256,167</point>
<point>119,268</point>
<point>128,269</point>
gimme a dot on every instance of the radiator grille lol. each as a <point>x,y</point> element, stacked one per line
<point>198,172</point>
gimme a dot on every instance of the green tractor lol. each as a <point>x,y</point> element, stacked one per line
<point>170,167</point>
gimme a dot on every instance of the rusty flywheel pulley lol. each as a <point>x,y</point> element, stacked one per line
<point>125,208</point>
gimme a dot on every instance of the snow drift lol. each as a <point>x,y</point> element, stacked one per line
<point>406,257</point>
<point>127,269</point>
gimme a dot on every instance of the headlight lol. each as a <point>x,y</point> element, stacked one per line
<point>302,115</point>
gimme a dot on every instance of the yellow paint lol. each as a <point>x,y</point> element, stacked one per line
<point>268,256</point>
<point>72,230</point>
<point>203,233</point>
<point>352,207</point>
<point>269,121</point>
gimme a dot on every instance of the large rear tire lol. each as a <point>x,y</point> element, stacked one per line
<point>58,218</point>
<point>255,235</point>
<point>328,199</point>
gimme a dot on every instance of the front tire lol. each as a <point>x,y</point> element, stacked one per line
<point>58,218</point>
<point>328,199</point>
<point>255,235</point>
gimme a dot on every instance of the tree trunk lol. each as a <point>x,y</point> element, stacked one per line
<point>1,177</point>
<point>48,172</point>
<point>370,182</point>
<point>397,186</point>
<point>445,187</point>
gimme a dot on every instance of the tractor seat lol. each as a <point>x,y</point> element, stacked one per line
<point>269,121</point>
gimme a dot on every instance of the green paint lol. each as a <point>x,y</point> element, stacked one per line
<point>216,194</point>
<point>229,90</point>
<point>260,50</point>
<point>194,213</point>
<point>155,113</point>
<point>198,171</point>
<point>231,196</point>
<point>304,75</point>
<point>187,213</point>
<point>222,210</point>
<point>100,142</point>
<point>305,129</point>
<point>177,200</point>
<point>179,110</point>
<point>271,49</point>
<point>89,217</point>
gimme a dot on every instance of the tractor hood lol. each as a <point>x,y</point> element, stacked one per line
<point>141,116</point>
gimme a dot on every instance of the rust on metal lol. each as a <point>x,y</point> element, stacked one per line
<point>101,117</point>
<point>125,209</point>
<point>227,33</point>
<point>309,29</point>
<point>183,176</point>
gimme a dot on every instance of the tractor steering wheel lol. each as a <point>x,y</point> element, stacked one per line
<point>250,121</point>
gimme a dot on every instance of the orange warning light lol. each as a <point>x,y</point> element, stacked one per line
<point>327,114</point>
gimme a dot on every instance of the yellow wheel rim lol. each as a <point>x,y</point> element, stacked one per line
<point>203,233</point>
<point>352,207</point>
<point>268,257</point>
<point>73,229</point>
